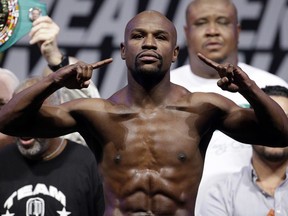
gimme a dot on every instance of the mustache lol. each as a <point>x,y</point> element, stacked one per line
<point>149,53</point>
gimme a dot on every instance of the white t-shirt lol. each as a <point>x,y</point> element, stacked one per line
<point>224,154</point>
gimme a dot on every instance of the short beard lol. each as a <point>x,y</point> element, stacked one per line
<point>144,76</point>
<point>39,146</point>
<point>276,157</point>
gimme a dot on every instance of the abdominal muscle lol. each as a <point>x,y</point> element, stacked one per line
<point>149,168</point>
<point>150,192</point>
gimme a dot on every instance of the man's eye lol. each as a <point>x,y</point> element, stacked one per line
<point>161,37</point>
<point>137,36</point>
<point>200,22</point>
<point>223,21</point>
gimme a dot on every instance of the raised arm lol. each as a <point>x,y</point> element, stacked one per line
<point>268,127</point>
<point>25,114</point>
<point>44,33</point>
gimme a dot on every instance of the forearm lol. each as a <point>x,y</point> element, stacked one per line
<point>25,104</point>
<point>269,114</point>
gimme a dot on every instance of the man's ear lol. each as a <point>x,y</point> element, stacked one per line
<point>186,30</point>
<point>175,53</point>
<point>123,51</point>
<point>238,32</point>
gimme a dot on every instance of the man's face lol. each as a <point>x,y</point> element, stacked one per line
<point>271,153</point>
<point>150,44</point>
<point>34,13</point>
<point>5,96</point>
<point>32,148</point>
<point>212,30</point>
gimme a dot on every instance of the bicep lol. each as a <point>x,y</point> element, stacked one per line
<point>237,122</point>
<point>242,125</point>
<point>48,121</point>
<point>55,121</point>
<point>238,118</point>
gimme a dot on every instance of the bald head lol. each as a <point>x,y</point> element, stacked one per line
<point>211,22</point>
<point>147,18</point>
<point>8,83</point>
<point>226,3</point>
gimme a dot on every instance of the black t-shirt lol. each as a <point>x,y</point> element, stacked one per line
<point>66,184</point>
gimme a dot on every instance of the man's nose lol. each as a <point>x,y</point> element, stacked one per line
<point>149,42</point>
<point>212,29</point>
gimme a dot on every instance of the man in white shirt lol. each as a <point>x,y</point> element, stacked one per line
<point>212,29</point>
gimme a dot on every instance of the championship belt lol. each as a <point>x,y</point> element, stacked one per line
<point>16,17</point>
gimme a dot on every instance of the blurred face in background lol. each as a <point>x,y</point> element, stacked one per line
<point>32,148</point>
<point>212,29</point>
<point>269,153</point>
<point>5,96</point>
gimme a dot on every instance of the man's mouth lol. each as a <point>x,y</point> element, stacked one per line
<point>26,140</point>
<point>149,56</point>
<point>212,45</point>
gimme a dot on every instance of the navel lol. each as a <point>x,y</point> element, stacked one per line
<point>182,156</point>
<point>117,159</point>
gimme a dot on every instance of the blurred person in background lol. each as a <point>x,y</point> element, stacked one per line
<point>259,188</point>
<point>212,29</point>
<point>49,176</point>
<point>8,84</point>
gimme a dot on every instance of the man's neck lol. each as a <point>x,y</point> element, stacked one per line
<point>57,145</point>
<point>270,174</point>
<point>144,95</point>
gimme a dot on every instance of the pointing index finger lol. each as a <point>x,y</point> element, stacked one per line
<point>208,61</point>
<point>101,63</point>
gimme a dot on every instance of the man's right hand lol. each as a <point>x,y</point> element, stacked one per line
<point>78,75</point>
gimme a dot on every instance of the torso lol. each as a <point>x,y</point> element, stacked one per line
<point>151,161</point>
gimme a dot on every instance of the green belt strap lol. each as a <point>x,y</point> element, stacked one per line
<point>18,23</point>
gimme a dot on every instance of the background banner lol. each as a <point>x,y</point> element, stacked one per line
<point>92,30</point>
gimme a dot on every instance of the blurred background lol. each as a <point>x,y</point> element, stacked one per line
<point>92,30</point>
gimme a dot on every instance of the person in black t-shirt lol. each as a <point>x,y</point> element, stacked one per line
<point>49,176</point>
